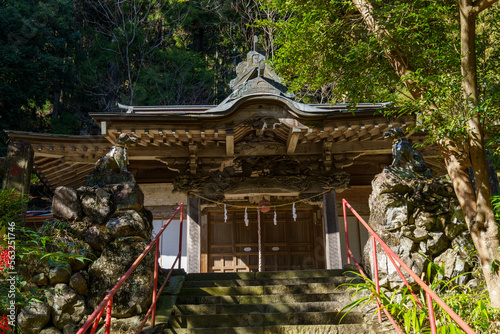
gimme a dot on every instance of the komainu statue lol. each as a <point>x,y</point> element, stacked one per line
<point>112,167</point>
<point>405,156</point>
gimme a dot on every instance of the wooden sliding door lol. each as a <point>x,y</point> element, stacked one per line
<point>290,244</point>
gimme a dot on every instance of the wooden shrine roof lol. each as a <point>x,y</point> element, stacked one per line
<point>257,131</point>
<point>180,140</point>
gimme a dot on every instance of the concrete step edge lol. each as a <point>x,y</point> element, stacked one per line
<point>266,319</point>
<point>290,329</point>
<point>268,282</point>
<point>220,309</point>
<point>263,289</point>
<point>262,299</point>
<point>265,274</point>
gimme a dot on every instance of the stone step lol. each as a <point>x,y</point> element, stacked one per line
<point>264,275</point>
<point>288,329</point>
<point>265,282</point>
<point>207,309</point>
<point>264,319</point>
<point>263,290</point>
<point>263,299</point>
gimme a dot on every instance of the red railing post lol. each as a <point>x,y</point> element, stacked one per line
<point>107,329</point>
<point>107,302</point>
<point>345,229</point>
<point>432,318</point>
<point>393,257</point>
<point>375,274</point>
<point>155,284</point>
<point>96,322</point>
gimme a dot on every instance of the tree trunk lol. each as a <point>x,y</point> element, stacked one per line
<point>481,221</point>
<point>475,203</point>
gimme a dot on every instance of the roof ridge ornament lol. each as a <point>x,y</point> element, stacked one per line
<point>255,76</point>
<point>129,109</point>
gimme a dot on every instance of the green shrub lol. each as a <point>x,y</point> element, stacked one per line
<point>470,304</point>
<point>34,249</point>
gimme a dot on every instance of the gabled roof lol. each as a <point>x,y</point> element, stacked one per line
<point>259,120</point>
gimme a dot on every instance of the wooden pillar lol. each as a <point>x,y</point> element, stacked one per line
<point>193,234</point>
<point>332,233</point>
<point>18,166</point>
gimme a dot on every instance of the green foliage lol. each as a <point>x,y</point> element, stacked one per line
<point>326,47</point>
<point>496,207</point>
<point>37,41</point>
<point>173,77</point>
<point>66,124</point>
<point>35,250</point>
<point>471,304</point>
<point>11,205</point>
<point>61,59</point>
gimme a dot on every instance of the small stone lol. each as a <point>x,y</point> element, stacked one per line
<point>66,204</point>
<point>51,330</point>
<point>40,279</point>
<point>396,217</point>
<point>420,234</point>
<point>66,305</point>
<point>128,223</point>
<point>59,274</point>
<point>96,204</point>
<point>406,244</point>
<point>127,196</point>
<point>437,242</point>
<point>474,283</point>
<point>454,228</point>
<point>407,231</point>
<point>425,220</point>
<point>83,249</point>
<point>70,328</point>
<point>418,264</point>
<point>97,237</point>
<point>78,283</point>
<point>33,318</point>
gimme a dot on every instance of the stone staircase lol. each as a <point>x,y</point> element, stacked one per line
<point>268,302</point>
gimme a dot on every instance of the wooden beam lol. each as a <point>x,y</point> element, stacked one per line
<point>69,176</point>
<point>293,139</point>
<point>327,154</point>
<point>60,170</point>
<point>39,161</point>
<point>193,157</point>
<point>368,147</point>
<point>230,143</point>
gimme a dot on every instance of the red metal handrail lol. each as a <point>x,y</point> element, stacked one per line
<point>107,302</point>
<point>430,295</point>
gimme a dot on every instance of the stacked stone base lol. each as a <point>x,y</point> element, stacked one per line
<point>109,225</point>
<point>421,221</point>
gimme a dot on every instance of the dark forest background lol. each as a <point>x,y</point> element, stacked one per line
<point>61,59</point>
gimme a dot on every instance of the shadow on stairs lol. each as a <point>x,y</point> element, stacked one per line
<point>308,301</point>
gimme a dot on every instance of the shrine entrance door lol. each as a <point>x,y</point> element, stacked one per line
<point>290,244</point>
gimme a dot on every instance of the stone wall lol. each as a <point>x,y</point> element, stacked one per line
<point>421,221</point>
<point>110,223</point>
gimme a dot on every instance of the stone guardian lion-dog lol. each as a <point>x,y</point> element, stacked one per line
<point>405,154</point>
<point>112,167</point>
<point>116,159</point>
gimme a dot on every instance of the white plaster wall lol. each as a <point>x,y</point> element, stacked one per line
<point>158,194</point>
<point>169,246</point>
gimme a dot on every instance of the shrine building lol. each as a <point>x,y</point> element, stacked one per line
<point>261,175</point>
